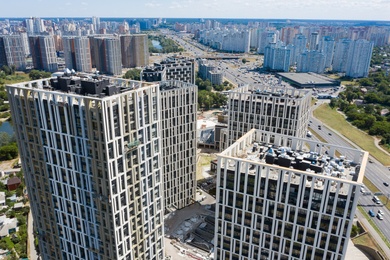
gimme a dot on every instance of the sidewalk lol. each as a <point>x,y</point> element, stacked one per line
<point>370,229</point>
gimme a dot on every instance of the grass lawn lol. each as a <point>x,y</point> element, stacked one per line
<point>204,160</point>
<point>336,121</point>
<point>18,77</point>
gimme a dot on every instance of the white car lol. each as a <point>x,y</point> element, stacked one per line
<point>379,216</point>
<point>380,211</point>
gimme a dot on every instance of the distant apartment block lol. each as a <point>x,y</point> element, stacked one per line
<point>77,53</point>
<point>326,46</point>
<point>275,109</point>
<point>282,197</point>
<point>277,57</point>
<point>178,114</point>
<point>134,50</point>
<point>353,57</point>
<point>360,58</point>
<point>43,53</point>
<point>12,51</point>
<point>311,61</point>
<point>106,54</point>
<point>208,71</point>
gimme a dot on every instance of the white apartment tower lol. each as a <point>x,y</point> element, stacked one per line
<point>77,53</point>
<point>91,154</point>
<point>282,197</point>
<point>360,58</point>
<point>326,46</point>
<point>353,57</point>
<point>311,61</point>
<point>270,108</point>
<point>277,57</point>
<point>178,115</point>
<point>299,42</point>
<point>341,55</point>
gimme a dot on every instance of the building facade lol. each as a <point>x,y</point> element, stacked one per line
<point>178,114</point>
<point>77,53</point>
<point>326,46</point>
<point>12,51</point>
<point>91,154</point>
<point>43,53</point>
<point>179,68</point>
<point>281,197</point>
<point>311,61</point>
<point>275,109</point>
<point>134,50</point>
<point>106,54</point>
<point>277,57</point>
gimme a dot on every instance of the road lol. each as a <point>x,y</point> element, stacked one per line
<point>32,253</point>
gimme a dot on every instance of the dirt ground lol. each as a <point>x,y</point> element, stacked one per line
<point>7,165</point>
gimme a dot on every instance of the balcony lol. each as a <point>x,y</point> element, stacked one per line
<point>132,145</point>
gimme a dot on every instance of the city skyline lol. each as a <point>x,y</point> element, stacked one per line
<point>264,9</point>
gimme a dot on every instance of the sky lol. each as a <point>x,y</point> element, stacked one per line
<point>260,9</point>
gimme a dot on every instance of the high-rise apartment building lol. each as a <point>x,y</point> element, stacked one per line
<point>311,61</point>
<point>353,57</point>
<point>34,26</point>
<point>277,57</point>
<point>43,52</point>
<point>326,46</point>
<point>282,197</point>
<point>359,59</point>
<point>299,42</point>
<point>106,54</point>
<point>287,34</point>
<point>208,71</point>
<point>341,55</point>
<point>135,50</point>
<point>275,109</point>
<point>314,36</point>
<point>179,68</point>
<point>178,115</point>
<point>77,53</point>
<point>12,51</point>
<point>91,154</point>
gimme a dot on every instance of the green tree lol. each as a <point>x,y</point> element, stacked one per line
<point>8,152</point>
<point>37,74</point>
<point>133,74</point>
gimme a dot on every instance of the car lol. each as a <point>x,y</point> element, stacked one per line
<point>362,190</point>
<point>380,211</point>
<point>371,213</point>
<point>379,216</point>
<point>386,184</point>
<point>330,134</point>
<point>370,161</point>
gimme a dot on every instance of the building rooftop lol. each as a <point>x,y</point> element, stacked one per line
<point>270,90</point>
<point>307,78</point>
<point>299,156</point>
<point>84,84</point>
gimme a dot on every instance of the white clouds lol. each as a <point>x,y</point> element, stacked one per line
<point>84,3</point>
<point>152,5</point>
